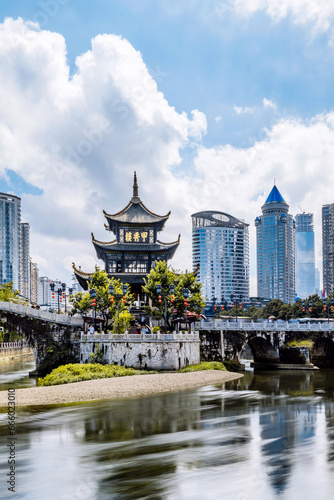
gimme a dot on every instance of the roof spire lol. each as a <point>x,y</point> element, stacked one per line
<point>135,186</point>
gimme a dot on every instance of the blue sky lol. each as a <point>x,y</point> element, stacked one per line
<point>257,76</point>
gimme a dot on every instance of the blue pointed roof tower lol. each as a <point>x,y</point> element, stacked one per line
<point>275,201</point>
<point>275,195</point>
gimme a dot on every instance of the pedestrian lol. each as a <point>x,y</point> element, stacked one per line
<point>91,329</point>
<point>144,330</point>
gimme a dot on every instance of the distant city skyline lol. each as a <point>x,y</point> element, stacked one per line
<point>208,101</point>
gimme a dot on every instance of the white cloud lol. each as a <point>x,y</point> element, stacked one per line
<point>241,111</point>
<point>218,119</point>
<point>80,138</point>
<point>237,181</point>
<point>269,104</point>
<point>318,12</point>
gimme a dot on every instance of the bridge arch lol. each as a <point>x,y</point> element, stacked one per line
<point>262,349</point>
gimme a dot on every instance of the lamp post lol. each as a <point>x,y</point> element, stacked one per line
<point>92,292</point>
<point>160,293</point>
<point>63,287</point>
<point>224,303</point>
<point>59,293</point>
<point>236,306</point>
<point>118,296</point>
<point>328,304</point>
<point>185,292</point>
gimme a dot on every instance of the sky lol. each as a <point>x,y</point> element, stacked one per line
<point>208,101</point>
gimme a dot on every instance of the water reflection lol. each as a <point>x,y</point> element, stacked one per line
<point>16,374</point>
<point>268,436</point>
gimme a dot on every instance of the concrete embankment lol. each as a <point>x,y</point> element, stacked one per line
<point>8,354</point>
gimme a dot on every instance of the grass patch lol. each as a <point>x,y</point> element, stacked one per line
<point>301,343</point>
<point>76,372</point>
<point>206,365</point>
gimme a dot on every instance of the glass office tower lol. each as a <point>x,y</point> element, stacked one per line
<point>221,250</point>
<point>10,240</point>
<point>305,256</point>
<point>275,231</point>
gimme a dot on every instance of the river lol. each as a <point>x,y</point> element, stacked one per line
<point>269,435</point>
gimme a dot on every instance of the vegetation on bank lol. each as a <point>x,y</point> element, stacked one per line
<point>76,372</point>
<point>301,343</point>
<point>206,365</point>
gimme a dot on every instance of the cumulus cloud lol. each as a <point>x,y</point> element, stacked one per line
<point>268,104</point>
<point>318,12</point>
<point>242,111</point>
<point>297,154</point>
<point>79,138</point>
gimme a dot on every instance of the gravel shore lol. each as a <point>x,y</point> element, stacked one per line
<point>120,387</point>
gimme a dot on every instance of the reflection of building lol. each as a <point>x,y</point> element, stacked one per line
<point>328,247</point>
<point>10,239</point>
<point>131,255</point>
<point>305,256</point>
<point>221,250</point>
<point>276,250</point>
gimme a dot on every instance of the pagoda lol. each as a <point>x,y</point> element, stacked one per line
<point>135,249</point>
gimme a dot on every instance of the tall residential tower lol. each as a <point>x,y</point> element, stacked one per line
<point>275,230</point>
<point>328,247</point>
<point>10,240</point>
<point>305,256</point>
<point>221,250</point>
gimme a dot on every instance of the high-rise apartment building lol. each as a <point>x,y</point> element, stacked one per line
<point>305,256</point>
<point>34,283</point>
<point>25,260</point>
<point>221,250</point>
<point>328,247</point>
<point>275,230</point>
<point>10,239</point>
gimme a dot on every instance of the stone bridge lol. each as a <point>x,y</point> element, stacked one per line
<point>44,316</point>
<point>224,340</point>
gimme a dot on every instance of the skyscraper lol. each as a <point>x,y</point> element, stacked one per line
<point>10,239</point>
<point>328,247</point>
<point>221,249</point>
<point>305,255</point>
<point>25,260</point>
<point>275,230</point>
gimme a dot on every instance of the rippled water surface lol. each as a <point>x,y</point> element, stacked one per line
<point>266,436</point>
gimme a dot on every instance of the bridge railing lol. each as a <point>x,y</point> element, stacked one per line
<point>136,337</point>
<point>39,314</point>
<point>264,326</point>
<point>13,345</point>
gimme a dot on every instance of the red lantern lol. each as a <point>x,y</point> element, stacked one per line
<point>232,305</point>
<point>124,300</point>
<point>325,308</point>
<point>240,306</point>
<point>53,295</point>
<point>172,298</point>
<point>304,309</point>
<point>112,299</point>
<point>159,299</point>
<point>222,308</point>
<point>215,308</point>
<point>310,309</point>
<point>63,295</point>
<point>60,299</point>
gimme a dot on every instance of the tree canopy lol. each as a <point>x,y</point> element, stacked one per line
<point>104,307</point>
<point>165,276</point>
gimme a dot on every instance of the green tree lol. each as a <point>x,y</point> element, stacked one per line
<point>104,307</point>
<point>7,292</point>
<point>166,276</point>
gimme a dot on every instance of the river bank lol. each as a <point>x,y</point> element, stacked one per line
<point>114,388</point>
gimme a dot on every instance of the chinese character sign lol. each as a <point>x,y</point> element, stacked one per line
<point>136,236</point>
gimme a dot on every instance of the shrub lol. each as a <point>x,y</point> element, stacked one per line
<point>206,365</point>
<point>76,372</point>
<point>155,329</point>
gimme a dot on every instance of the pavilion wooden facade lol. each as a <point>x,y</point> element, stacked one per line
<point>136,247</point>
